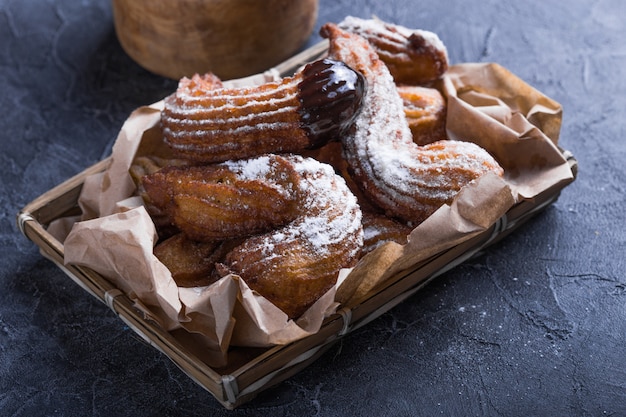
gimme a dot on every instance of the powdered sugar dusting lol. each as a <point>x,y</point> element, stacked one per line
<point>263,168</point>
<point>228,111</point>
<point>199,132</point>
<point>207,122</point>
<point>392,170</point>
<point>251,169</point>
<point>395,34</point>
<point>338,215</point>
<point>330,212</point>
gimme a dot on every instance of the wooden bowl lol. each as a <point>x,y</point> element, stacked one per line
<point>231,38</point>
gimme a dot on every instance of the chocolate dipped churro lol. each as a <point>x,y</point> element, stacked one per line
<point>316,105</point>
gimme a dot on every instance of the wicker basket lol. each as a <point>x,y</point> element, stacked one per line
<point>261,368</point>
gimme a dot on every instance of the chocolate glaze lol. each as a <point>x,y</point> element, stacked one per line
<point>330,99</point>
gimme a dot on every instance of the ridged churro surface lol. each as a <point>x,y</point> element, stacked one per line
<point>205,122</point>
<point>405,180</point>
<point>412,56</point>
<point>228,200</point>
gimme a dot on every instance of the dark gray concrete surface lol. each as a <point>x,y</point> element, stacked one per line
<point>535,326</point>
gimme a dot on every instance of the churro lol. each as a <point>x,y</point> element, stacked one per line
<point>413,57</point>
<point>425,110</point>
<point>405,180</point>
<point>315,105</point>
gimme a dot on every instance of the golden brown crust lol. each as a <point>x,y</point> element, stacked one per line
<point>296,279</point>
<point>414,57</point>
<point>331,154</point>
<point>222,124</point>
<point>145,165</point>
<point>216,202</point>
<point>191,263</point>
<point>425,110</point>
<point>378,229</point>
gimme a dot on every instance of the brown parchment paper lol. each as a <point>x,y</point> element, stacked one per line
<point>115,237</point>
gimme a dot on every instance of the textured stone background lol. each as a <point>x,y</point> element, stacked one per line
<point>536,326</point>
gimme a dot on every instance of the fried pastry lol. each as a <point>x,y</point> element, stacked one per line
<point>294,265</point>
<point>228,200</point>
<point>405,180</point>
<point>205,122</point>
<point>378,229</point>
<point>425,110</point>
<point>191,263</point>
<point>145,165</point>
<point>414,57</point>
<point>332,154</point>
